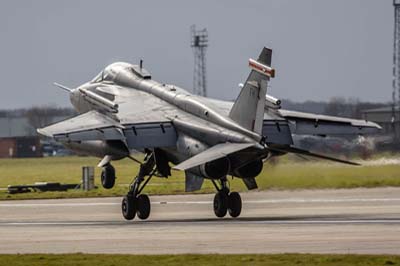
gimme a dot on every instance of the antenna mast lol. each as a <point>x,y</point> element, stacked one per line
<point>396,64</point>
<point>199,43</point>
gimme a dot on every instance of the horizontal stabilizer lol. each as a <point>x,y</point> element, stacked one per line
<point>308,153</point>
<point>215,152</point>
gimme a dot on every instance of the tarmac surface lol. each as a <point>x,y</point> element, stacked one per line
<point>307,221</point>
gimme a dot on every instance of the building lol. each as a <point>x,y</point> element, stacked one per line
<point>387,119</point>
<point>18,138</point>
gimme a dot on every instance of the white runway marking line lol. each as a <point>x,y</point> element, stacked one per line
<point>216,221</point>
<point>293,200</point>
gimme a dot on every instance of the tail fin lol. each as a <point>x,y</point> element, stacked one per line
<point>248,109</point>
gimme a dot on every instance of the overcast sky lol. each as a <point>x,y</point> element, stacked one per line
<point>321,49</point>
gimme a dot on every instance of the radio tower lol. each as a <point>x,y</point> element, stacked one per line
<point>199,43</point>
<point>396,63</point>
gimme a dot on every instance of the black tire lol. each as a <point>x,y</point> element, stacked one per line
<point>234,204</point>
<point>143,206</point>
<point>108,176</point>
<point>128,207</point>
<point>220,204</point>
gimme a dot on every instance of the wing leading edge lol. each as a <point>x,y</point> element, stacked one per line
<point>96,126</point>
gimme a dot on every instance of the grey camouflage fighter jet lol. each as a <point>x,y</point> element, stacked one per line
<point>123,110</point>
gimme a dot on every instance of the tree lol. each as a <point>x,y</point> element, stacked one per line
<point>42,116</point>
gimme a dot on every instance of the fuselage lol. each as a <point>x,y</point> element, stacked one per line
<point>131,76</point>
<point>198,124</point>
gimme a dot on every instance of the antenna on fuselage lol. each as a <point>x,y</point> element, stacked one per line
<point>141,64</point>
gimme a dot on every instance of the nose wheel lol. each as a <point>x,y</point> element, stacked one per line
<point>108,176</point>
<point>226,201</point>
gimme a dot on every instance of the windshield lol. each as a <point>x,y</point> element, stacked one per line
<point>111,72</point>
<point>107,74</point>
<point>98,78</point>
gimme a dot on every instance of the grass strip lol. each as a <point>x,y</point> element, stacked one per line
<point>194,260</point>
<point>288,173</point>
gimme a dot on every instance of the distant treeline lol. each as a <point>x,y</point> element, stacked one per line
<point>40,110</point>
<point>39,116</point>
<point>337,106</point>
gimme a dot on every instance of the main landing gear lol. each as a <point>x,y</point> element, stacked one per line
<point>135,202</point>
<point>226,201</point>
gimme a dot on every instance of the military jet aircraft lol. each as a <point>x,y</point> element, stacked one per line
<point>123,111</point>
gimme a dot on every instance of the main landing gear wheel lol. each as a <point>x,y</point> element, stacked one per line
<point>220,204</point>
<point>134,202</point>
<point>132,206</point>
<point>143,206</point>
<point>108,176</point>
<point>128,207</point>
<point>234,204</point>
<point>225,201</point>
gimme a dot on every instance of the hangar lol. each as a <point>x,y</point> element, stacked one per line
<point>18,138</point>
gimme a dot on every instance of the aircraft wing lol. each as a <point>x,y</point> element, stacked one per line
<point>314,124</point>
<point>305,123</point>
<point>140,123</point>
<point>96,126</point>
<point>81,124</point>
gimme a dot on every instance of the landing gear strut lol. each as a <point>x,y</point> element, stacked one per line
<point>134,202</point>
<point>226,201</point>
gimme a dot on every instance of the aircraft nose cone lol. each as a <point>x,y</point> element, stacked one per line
<point>74,97</point>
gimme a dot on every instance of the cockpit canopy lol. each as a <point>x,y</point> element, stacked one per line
<point>111,72</point>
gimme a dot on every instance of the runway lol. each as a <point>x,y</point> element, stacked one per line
<point>363,221</point>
